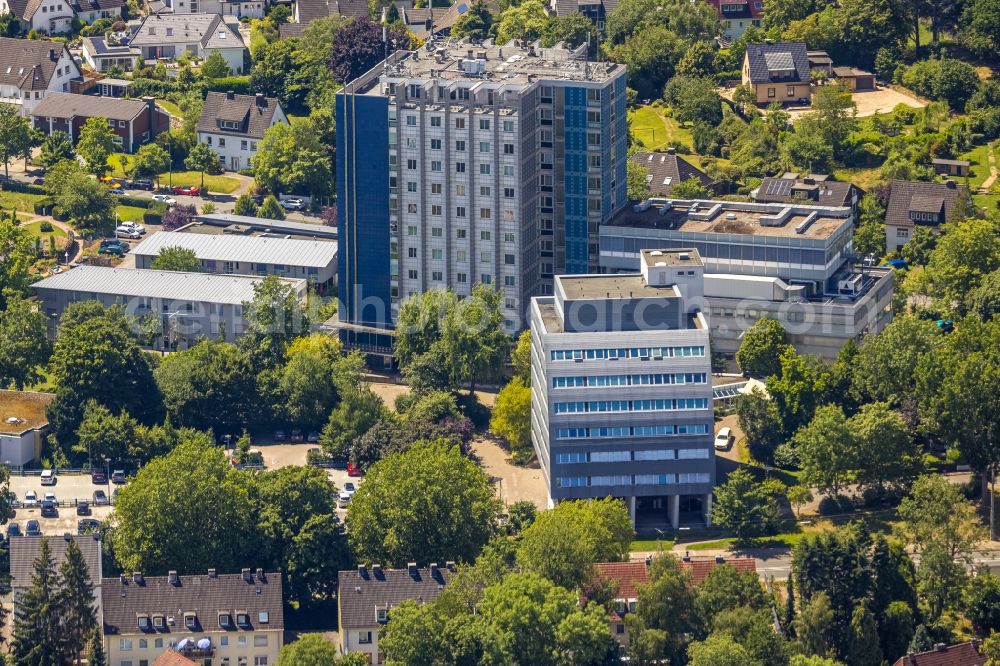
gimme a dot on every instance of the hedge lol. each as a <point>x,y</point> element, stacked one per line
<point>17,186</point>
<point>154,213</point>
<point>136,202</point>
<point>238,84</point>
<point>42,205</point>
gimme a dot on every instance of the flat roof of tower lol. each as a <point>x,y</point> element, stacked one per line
<point>730,217</point>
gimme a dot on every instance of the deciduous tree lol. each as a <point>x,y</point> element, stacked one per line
<point>96,144</point>
<point>201,159</point>
<point>761,348</point>
<point>24,345</point>
<point>55,148</point>
<point>15,135</point>
<point>747,508</point>
<point>176,259</point>
<point>511,418</point>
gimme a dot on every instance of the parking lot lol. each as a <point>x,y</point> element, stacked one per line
<point>68,488</point>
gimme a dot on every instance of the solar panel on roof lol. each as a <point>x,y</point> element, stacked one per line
<point>778,188</point>
<point>780,61</point>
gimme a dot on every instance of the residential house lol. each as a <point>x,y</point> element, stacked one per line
<point>232,125</point>
<point>627,577</point>
<point>192,305</point>
<point>913,204</point>
<point>958,168</point>
<point>101,53</point>
<point>23,426</point>
<point>51,17</point>
<point>367,596</point>
<point>736,16</point>
<point>422,21</point>
<point>664,170</point>
<point>89,11</point>
<point>778,72</point>
<point>236,8</point>
<point>166,36</point>
<point>24,552</point>
<point>174,658</point>
<point>225,619</point>
<point>820,61</point>
<point>306,11</point>
<point>963,654</point>
<point>312,260</point>
<point>596,10</point>
<point>134,122</point>
<point>29,69</point>
<point>815,188</point>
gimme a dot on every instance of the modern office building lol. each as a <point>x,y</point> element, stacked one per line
<point>459,164</point>
<point>785,261</point>
<point>621,389</point>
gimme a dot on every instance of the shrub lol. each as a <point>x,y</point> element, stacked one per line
<point>137,202</point>
<point>238,84</point>
<point>17,186</point>
<point>154,213</point>
<point>45,227</point>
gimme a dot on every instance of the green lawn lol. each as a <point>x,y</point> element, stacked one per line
<point>862,177</point>
<point>130,213</point>
<point>170,107</point>
<point>219,184</point>
<point>654,129</point>
<point>35,229</point>
<point>650,545</point>
<point>20,201</point>
<point>980,171</point>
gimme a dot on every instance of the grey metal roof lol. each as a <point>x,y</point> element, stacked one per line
<point>256,249</point>
<point>261,224</point>
<point>169,285</point>
<point>365,590</point>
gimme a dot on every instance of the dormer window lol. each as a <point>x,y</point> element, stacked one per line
<point>158,622</point>
<point>143,622</point>
<point>225,620</point>
<point>243,619</point>
<point>191,621</point>
<point>382,615</point>
<point>170,32</point>
<point>229,124</point>
<point>263,617</point>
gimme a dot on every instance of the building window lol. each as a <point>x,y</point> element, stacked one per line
<point>460,212</point>
<point>435,188</point>
<point>411,121</point>
<point>260,660</point>
<point>508,259</point>
<point>411,186</point>
<point>125,644</point>
<point>260,640</point>
<point>435,144</point>
<point>484,147</point>
<point>436,232</point>
<point>459,167</point>
<point>508,170</point>
<point>436,253</point>
<point>365,637</point>
<point>791,91</point>
<point>436,165</point>
<point>412,274</point>
<point>486,278</point>
<point>485,213</point>
<point>484,123</point>
<point>461,278</point>
<point>459,123</point>
<point>411,164</point>
<point>508,126</point>
<point>436,276</point>
<point>411,230</point>
<point>508,281</point>
<point>411,252</point>
<point>508,192</point>
<point>411,208</point>
<point>484,169</point>
<point>460,233</point>
<point>770,92</point>
<point>435,121</point>
<point>435,210</point>
<point>460,146</point>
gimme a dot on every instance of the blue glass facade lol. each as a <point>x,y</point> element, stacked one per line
<point>362,170</point>
<point>575,179</point>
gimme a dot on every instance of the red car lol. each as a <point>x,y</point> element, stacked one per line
<point>191,190</point>
<point>353,471</point>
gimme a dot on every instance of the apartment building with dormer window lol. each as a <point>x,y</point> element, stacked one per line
<point>232,125</point>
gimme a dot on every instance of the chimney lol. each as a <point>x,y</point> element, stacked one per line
<point>67,537</point>
<point>212,574</point>
<point>377,570</point>
<point>260,575</point>
<point>434,569</point>
<point>362,571</point>
<point>719,559</point>
<point>123,579</point>
<point>951,184</point>
<point>230,94</point>
<point>172,577</point>
<point>260,99</point>
<point>671,151</point>
<point>412,568</point>
<point>53,56</point>
<point>247,576</point>
<point>940,647</point>
<point>137,577</point>
<point>449,565</point>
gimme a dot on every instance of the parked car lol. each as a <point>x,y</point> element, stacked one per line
<point>297,436</point>
<point>13,530</point>
<point>83,508</point>
<point>87,526</point>
<point>101,498</point>
<point>163,198</point>
<point>279,435</point>
<point>49,509</point>
<point>30,499</point>
<point>722,438</point>
<point>344,500</point>
<point>38,181</point>
<point>133,225</point>
<point>312,437</point>
<point>48,477</point>
<point>118,476</point>
<point>117,190</point>
<point>98,476</point>
<point>257,198</point>
<point>113,246</point>
<point>350,488</point>
<point>945,325</point>
<point>49,497</point>
<point>352,470</point>
<point>141,184</point>
<point>32,528</point>
<point>127,232</point>
<point>187,190</point>
<point>293,204</point>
